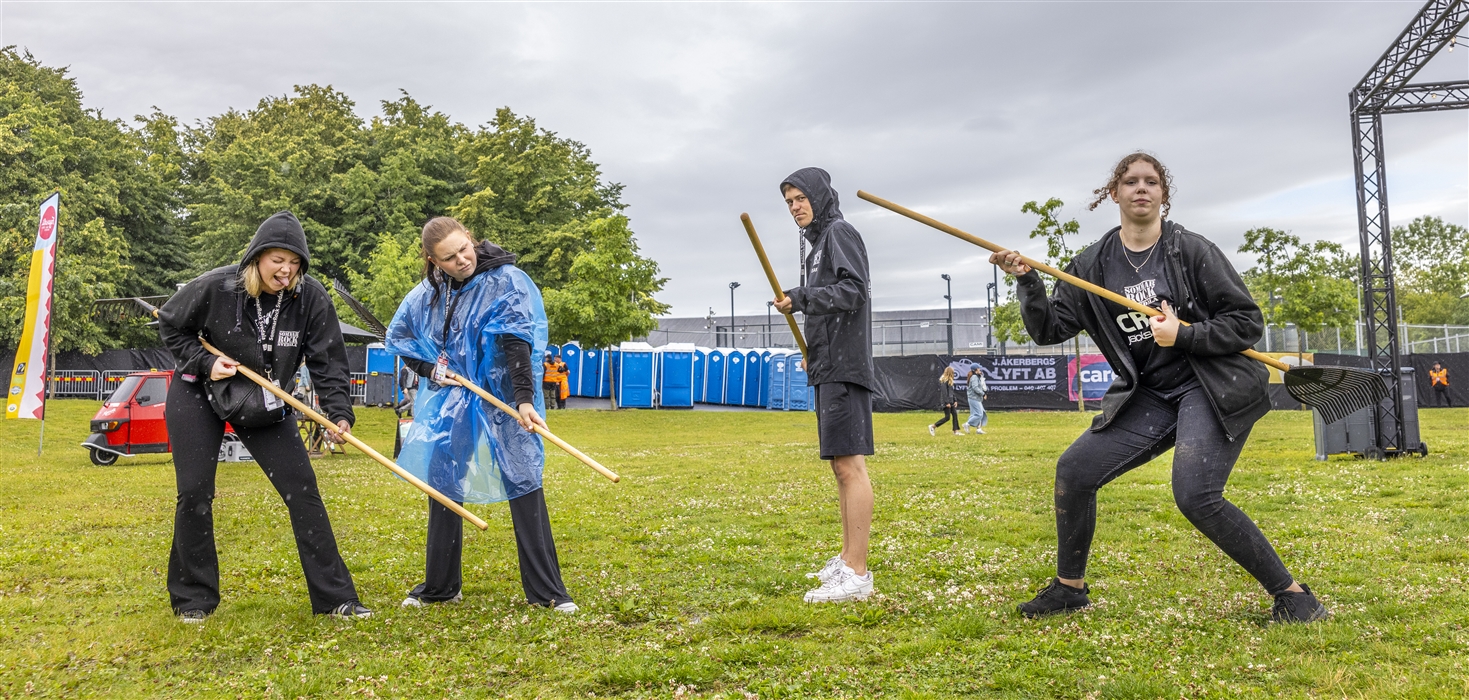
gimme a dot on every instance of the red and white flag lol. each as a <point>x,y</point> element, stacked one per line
<point>27,397</point>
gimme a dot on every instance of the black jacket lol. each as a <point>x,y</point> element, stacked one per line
<point>836,298</point>
<point>1211,296</point>
<point>213,305</point>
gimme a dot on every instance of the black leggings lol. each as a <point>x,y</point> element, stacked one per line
<point>193,563</point>
<point>540,571</point>
<point>951,413</point>
<point>1203,458</point>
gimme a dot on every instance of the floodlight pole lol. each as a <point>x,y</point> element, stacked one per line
<point>732,286</point>
<point>949,297</point>
<point>1385,90</point>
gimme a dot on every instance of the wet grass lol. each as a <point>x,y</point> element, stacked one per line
<point>689,573</point>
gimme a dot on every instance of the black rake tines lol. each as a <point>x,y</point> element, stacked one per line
<point>373,324</point>
<point>1336,392</point>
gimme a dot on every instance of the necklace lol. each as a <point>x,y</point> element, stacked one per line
<point>1138,268</point>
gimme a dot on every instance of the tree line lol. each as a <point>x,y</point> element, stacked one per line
<point>150,203</point>
<point>1314,285</point>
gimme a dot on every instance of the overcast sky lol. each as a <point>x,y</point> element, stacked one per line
<point>961,110</point>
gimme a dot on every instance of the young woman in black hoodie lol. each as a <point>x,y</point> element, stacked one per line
<point>267,314</point>
<point>1178,387</point>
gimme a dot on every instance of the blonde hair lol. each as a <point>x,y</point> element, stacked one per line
<point>948,377</point>
<point>254,284</point>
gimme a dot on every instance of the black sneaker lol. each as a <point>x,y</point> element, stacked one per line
<point>1298,607</point>
<point>1056,598</point>
<point>192,617</point>
<point>351,610</point>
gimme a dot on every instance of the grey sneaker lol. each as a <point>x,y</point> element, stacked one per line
<point>413,601</point>
<point>192,617</point>
<point>351,610</point>
<point>1291,607</point>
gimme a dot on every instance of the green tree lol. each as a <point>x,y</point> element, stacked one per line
<point>1300,283</point>
<point>392,271</point>
<point>1007,323</point>
<point>609,298</point>
<point>1431,258</point>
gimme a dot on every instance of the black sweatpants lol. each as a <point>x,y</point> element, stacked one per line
<point>540,571</point>
<point>1203,458</point>
<point>1441,396</point>
<point>193,563</point>
<point>951,413</point>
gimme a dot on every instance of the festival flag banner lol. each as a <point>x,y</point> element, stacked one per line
<point>27,397</point>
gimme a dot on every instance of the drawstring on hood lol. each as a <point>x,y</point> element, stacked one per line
<point>815,183</point>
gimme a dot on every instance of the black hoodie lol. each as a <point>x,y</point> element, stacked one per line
<point>1209,295</point>
<point>488,256</point>
<point>214,305</point>
<point>835,299</point>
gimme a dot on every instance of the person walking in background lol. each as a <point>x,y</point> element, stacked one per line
<point>975,390</point>
<point>951,403</point>
<point>269,316</point>
<point>408,380</point>
<point>549,386</point>
<point>837,302</point>
<point>1439,376</point>
<point>563,380</point>
<point>478,316</point>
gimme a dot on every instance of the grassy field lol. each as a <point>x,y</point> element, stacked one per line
<point>689,573</point>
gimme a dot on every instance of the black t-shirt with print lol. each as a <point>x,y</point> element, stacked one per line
<point>1140,276</point>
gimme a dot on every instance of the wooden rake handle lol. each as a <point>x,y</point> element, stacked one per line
<point>775,285</point>
<point>353,441</point>
<point>1038,265</point>
<point>604,471</point>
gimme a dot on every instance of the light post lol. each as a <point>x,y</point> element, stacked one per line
<point>949,297</point>
<point>989,326</point>
<point>768,306</point>
<point>732,286</point>
<point>1273,299</point>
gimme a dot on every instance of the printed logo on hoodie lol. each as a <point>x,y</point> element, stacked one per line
<point>288,339</point>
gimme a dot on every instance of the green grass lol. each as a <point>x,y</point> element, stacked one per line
<point>689,573</point>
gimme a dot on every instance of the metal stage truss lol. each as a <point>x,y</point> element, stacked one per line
<point>1386,90</point>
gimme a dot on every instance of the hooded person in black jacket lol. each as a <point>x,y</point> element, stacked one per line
<point>835,301</point>
<point>268,315</point>
<point>1177,387</point>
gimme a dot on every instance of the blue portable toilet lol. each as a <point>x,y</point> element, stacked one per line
<point>701,358</point>
<point>753,374</point>
<point>676,375</point>
<point>776,381</point>
<point>610,369</point>
<point>636,365</point>
<point>768,359</point>
<point>734,377</point>
<point>593,364</point>
<point>799,396</point>
<point>571,355</point>
<point>714,375</point>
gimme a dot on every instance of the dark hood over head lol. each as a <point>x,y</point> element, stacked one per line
<point>816,184</point>
<point>487,256</point>
<point>281,230</point>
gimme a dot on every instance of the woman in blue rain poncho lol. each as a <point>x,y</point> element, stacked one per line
<point>477,315</point>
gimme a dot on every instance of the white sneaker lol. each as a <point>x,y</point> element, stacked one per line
<point>845,586</point>
<point>930,431</point>
<point>978,430</point>
<point>567,608</point>
<point>414,602</point>
<point>828,570</point>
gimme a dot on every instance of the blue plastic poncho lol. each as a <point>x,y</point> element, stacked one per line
<point>459,443</point>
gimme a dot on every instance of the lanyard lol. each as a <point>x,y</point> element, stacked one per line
<point>449,313</point>
<point>266,331</point>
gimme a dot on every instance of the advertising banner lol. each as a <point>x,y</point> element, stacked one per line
<point>27,396</point>
<point>1095,375</point>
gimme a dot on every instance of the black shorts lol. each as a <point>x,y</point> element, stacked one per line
<point>844,419</point>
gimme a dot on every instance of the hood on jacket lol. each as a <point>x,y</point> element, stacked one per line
<point>815,183</point>
<point>282,230</point>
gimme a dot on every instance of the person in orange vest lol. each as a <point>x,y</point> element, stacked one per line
<point>550,384</point>
<point>1439,376</point>
<point>563,374</point>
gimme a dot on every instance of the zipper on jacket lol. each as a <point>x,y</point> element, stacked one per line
<point>1175,270</point>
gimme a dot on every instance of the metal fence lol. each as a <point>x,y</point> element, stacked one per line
<point>1415,338</point>
<point>357,387</point>
<point>112,379</point>
<point>84,383</point>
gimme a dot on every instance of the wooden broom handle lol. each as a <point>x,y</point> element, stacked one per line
<point>775,285</point>
<point>353,441</point>
<point>1038,265</point>
<point>604,471</point>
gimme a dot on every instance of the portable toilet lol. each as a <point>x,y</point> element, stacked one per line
<point>676,375</point>
<point>753,372</point>
<point>776,380</point>
<point>701,357</point>
<point>571,355</point>
<point>714,375</point>
<point>734,377</point>
<point>593,365</point>
<point>381,372</point>
<point>635,385</point>
<point>799,396</point>
<point>610,369</point>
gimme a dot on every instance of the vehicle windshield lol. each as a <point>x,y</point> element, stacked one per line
<point>125,391</point>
